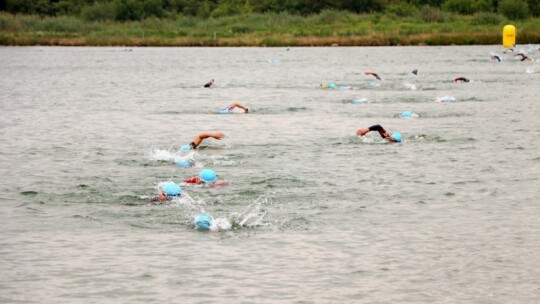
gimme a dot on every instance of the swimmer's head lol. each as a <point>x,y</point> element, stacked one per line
<point>183,163</point>
<point>407,114</point>
<point>185,148</point>
<point>208,175</point>
<point>397,137</point>
<point>203,221</point>
<point>171,189</point>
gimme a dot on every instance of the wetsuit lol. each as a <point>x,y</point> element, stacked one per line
<point>374,74</point>
<point>193,180</point>
<point>461,79</point>
<point>523,56</point>
<point>381,130</point>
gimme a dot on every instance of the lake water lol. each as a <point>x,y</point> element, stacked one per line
<point>450,215</point>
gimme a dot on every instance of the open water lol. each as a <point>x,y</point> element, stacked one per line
<point>318,215</point>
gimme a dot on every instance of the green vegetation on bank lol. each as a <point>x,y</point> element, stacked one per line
<point>152,23</point>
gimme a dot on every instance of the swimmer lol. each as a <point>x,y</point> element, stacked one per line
<point>198,140</point>
<point>509,49</point>
<point>205,177</point>
<point>166,192</point>
<point>461,79</point>
<point>209,84</point>
<point>372,74</point>
<point>236,104</point>
<point>395,137</point>
<point>523,56</point>
<point>495,57</point>
<point>415,72</point>
<point>162,197</point>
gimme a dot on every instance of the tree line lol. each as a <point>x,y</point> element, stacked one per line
<point>136,10</point>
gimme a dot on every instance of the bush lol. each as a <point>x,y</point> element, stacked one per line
<point>487,19</point>
<point>330,16</point>
<point>433,14</point>
<point>127,10</point>
<point>514,9</point>
<point>534,7</point>
<point>240,29</point>
<point>230,9</point>
<point>62,24</point>
<point>99,11</point>
<point>5,21</point>
<point>467,7</point>
<point>402,9</point>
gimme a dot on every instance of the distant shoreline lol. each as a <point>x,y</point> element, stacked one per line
<point>263,30</point>
<point>373,40</point>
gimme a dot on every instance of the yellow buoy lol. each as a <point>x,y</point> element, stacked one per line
<point>509,36</point>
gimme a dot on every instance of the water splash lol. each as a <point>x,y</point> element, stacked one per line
<point>446,98</point>
<point>372,140</point>
<point>532,70</point>
<point>410,86</point>
<point>161,155</point>
<point>359,100</point>
<point>253,215</point>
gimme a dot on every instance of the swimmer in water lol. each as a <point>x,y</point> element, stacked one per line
<point>415,72</point>
<point>509,49</point>
<point>206,177</point>
<point>198,140</point>
<point>395,137</point>
<point>162,197</point>
<point>495,57</point>
<point>523,57</point>
<point>372,74</point>
<point>209,84</point>
<point>236,104</point>
<point>166,192</point>
<point>461,79</point>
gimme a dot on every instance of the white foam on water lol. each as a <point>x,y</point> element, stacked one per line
<point>410,86</point>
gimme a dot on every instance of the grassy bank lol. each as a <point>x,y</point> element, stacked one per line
<point>325,29</point>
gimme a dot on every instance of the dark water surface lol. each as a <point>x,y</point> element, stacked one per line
<point>450,215</point>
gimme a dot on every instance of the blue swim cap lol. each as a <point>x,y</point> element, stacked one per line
<point>183,163</point>
<point>373,84</point>
<point>207,175</point>
<point>185,148</point>
<point>406,114</point>
<point>332,86</point>
<point>172,189</point>
<point>397,136</point>
<point>203,221</point>
<point>224,111</point>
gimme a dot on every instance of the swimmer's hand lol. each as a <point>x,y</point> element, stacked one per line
<point>362,132</point>
<point>218,135</point>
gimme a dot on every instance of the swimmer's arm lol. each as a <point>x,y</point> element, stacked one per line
<point>378,128</point>
<point>217,135</point>
<point>362,132</point>
<point>239,105</point>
